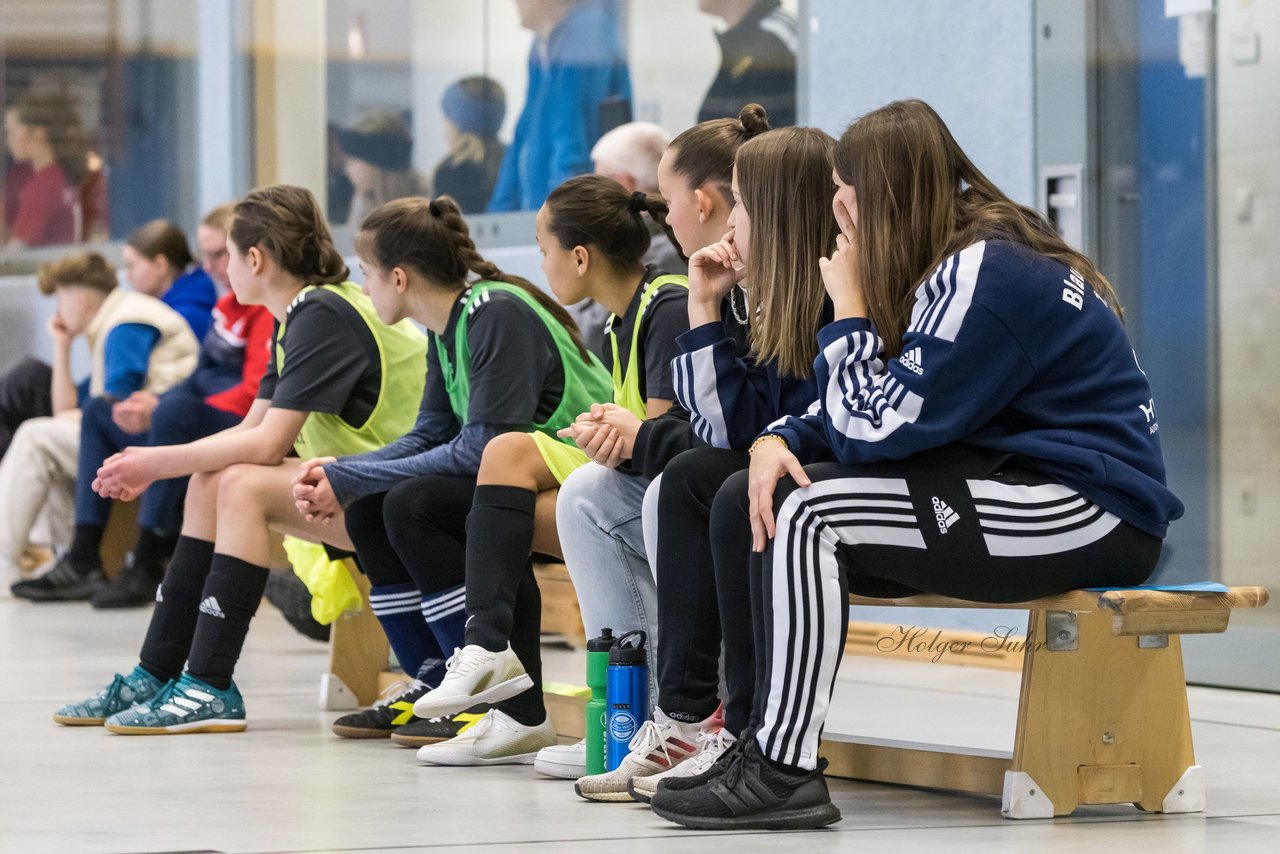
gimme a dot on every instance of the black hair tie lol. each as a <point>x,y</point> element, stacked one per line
<point>433,207</point>
<point>639,202</point>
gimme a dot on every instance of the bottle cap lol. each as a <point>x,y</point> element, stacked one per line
<point>629,649</point>
<point>603,643</point>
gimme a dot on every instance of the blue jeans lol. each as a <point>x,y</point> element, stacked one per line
<point>182,416</point>
<point>599,516</point>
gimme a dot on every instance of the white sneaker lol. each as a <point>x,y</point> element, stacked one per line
<point>562,761</point>
<point>474,675</point>
<point>660,744</point>
<point>710,746</point>
<point>495,739</point>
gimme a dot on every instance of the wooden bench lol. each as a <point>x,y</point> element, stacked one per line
<point>1102,713</point>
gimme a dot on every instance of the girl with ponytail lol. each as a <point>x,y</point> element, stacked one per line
<point>505,362</point>
<point>339,382</point>
<point>756,302</point>
<point>593,236</point>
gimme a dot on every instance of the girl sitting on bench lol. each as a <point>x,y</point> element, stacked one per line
<point>340,382</point>
<point>995,441</point>
<point>593,237</point>
<point>504,358</point>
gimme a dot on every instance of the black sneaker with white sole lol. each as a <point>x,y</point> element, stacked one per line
<point>422,731</point>
<point>393,709</point>
<point>751,793</point>
<point>62,583</point>
<point>677,784</point>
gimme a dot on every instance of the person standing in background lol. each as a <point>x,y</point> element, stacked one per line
<point>44,137</point>
<point>577,72</point>
<point>758,60</point>
<point>473,108</point>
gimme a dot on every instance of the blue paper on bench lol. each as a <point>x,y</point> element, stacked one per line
<point>1194,587</point>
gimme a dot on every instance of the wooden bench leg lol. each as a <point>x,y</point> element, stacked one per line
<point>358,652</point>
<point>1102,720</point>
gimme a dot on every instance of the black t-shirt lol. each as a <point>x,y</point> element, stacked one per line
<point>516,376</point>
<point>331,361</point>
<point>666,318</point>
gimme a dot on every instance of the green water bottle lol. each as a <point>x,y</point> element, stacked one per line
<point>597,706</point>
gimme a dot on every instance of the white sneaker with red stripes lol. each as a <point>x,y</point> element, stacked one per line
<point>661,743</point>
<point>711,744</point>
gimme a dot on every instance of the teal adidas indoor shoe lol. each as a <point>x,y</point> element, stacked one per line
<point>138,687</point>
<point>185,706</point>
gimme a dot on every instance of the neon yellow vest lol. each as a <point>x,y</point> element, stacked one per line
<point>402,359</point>
<point>585,383</point>
<point>626,385</point>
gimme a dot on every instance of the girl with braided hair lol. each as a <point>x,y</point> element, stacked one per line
<point>340,382</point>
<point>504,358</point>
<point>593,237</point>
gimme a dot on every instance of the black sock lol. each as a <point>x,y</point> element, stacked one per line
<point>177,605</point>
<point>527,708</point>
<point>153,548</point>
<point>230,599</point>
<point>85,546</point>
<point>499,537</point>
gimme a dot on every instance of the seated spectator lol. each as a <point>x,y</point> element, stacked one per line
<point>379,149</point>
<point>158,263</point>
<point>577,69</point>
<point>218,395</point>
<point>340,191</point>
<point>135,342</point>
<point>473,110</point>
<point>44,137</point>
<point>629,154</point>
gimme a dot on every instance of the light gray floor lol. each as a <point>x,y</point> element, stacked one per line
<point>287,785</point>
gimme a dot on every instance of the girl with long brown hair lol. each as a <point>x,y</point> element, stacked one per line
<point>505,363</point>
<point>994,437</point>
<point>340,381</point>
<point>765,268</point>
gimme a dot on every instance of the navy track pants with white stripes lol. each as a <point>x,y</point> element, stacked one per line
<point>954,521</point>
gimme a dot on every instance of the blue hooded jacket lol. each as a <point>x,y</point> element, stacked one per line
<point>581,65</point>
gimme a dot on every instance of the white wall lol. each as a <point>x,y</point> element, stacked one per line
<point>973,61</point>
<point>1248,298</point>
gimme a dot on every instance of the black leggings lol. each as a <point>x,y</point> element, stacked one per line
<point>955,521</point>
<point>688,609</point>
<point>417,533</point>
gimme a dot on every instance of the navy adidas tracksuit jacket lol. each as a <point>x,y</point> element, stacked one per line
<point>1007,350</point>
<point>730,395</point>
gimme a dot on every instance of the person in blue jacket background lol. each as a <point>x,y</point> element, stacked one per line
<point>577,77</point>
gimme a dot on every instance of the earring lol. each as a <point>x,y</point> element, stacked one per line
<point>702,216</point>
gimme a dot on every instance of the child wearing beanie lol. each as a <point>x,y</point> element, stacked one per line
<point>473,109</point>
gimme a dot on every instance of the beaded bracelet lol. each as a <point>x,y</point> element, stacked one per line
<point>767,437</point>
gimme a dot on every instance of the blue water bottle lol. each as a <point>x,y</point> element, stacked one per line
<point>627,694</point>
